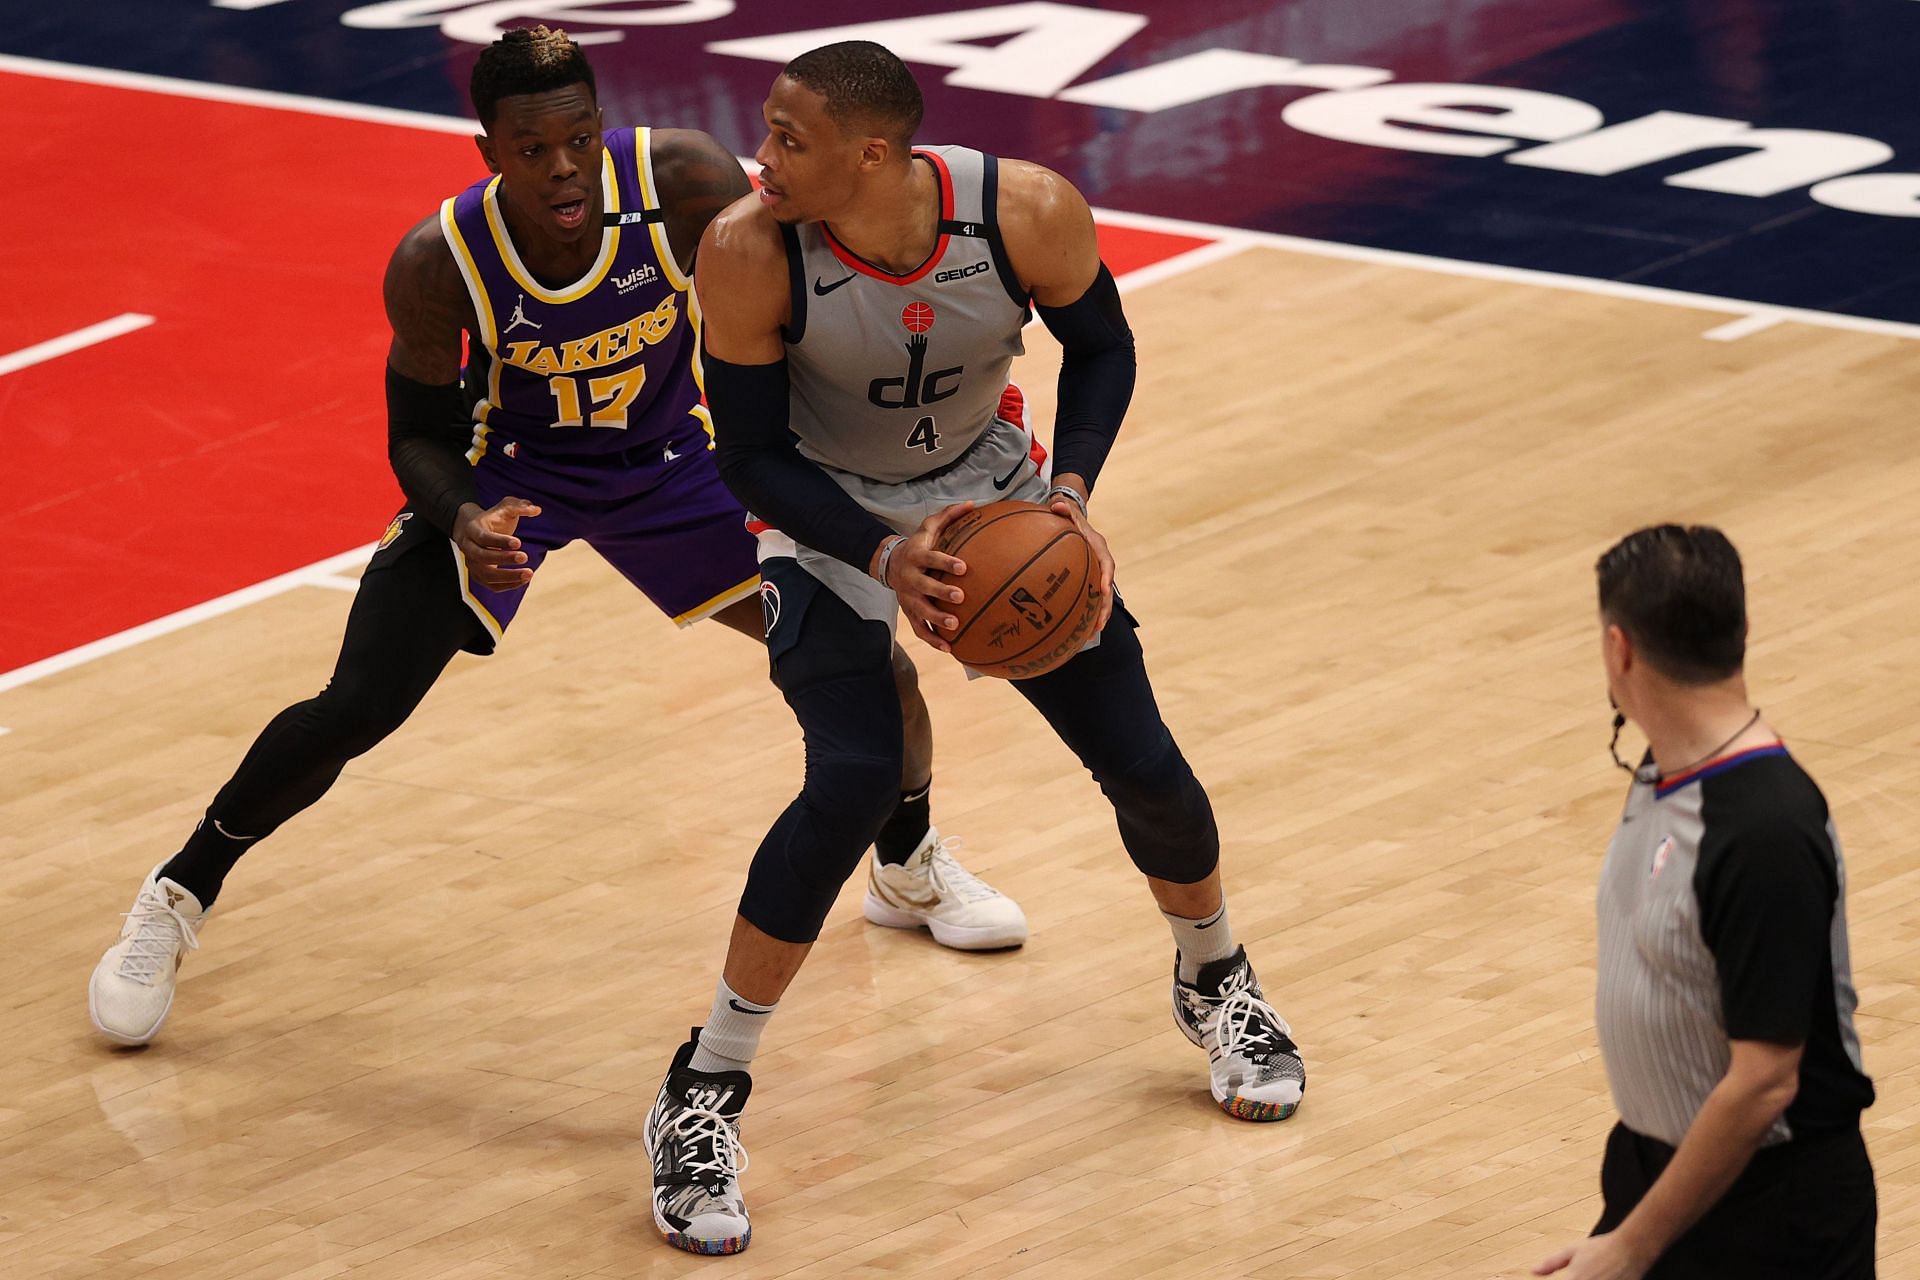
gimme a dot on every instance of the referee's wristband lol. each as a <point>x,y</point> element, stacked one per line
<point>885,561</point>
<point>1068,492</point>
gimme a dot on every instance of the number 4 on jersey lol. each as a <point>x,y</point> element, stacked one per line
<point>923,436</point>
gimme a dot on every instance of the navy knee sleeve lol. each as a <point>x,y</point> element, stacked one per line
<point>835,670</point>
<point>1166,821</point>
<point>1102,706</point>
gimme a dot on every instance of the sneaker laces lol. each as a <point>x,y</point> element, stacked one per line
<point>1250,1027</point>
<point>950,878</point>
<point>707,1131</point>
<point>159,931</point>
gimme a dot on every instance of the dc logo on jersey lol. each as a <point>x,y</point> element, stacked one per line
<point>919,387</point>
<point>770,605</point>
<point>399,522</point>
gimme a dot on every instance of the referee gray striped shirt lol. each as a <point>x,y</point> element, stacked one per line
<point>1723,917</point>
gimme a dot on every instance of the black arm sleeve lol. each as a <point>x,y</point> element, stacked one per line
<point>426,429</point>
<point>759,463</point>
<point>1766,890</point>
<point>1096,377</point>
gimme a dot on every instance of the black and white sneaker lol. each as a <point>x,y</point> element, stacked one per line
<point>693,1138</point>
<point>1256,1068</point>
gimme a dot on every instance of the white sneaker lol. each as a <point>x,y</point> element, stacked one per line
<point>932,889</point>
<point>1255,1067</point>
<point>693,1143</point>
<point>132,987</point>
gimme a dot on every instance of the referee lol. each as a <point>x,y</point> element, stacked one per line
<point>1725,1002</point>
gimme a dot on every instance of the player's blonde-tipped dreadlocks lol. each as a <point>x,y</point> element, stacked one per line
<point>527,60</point>
<point>548,47</point>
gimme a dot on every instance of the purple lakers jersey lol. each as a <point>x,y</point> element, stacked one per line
<point>596,367</point>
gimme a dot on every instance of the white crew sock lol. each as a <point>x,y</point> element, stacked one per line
<point>1201,941</point>
<point>732,1034</point>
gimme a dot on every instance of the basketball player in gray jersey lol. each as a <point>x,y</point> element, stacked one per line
<point>862,312</point>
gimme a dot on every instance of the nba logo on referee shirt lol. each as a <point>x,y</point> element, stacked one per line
<point>1660,854</point>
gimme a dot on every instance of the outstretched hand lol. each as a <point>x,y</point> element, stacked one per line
<point>487,544</point>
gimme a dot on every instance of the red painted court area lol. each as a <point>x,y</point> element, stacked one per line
<point>242,434</point>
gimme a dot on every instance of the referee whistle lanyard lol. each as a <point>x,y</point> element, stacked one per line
<point>1653,774</point>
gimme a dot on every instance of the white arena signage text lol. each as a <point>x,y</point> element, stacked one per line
<point>1043,48</point>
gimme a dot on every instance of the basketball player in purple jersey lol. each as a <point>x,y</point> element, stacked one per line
<point>862,313</point>
<point>567,273</point>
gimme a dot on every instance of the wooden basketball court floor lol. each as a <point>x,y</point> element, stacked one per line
<point>1356,507</point>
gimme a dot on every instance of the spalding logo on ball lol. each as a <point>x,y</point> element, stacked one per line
<point>917,316</point>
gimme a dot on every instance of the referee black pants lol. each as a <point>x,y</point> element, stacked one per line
<point>1803,1210</point>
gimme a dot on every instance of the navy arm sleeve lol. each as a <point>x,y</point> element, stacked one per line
<point>427,427</point>
<point>766,472</point>
<point>1096,377</point>
<point>1767,890</point>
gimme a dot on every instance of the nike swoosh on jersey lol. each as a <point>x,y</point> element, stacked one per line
<point>1007,479</point>
<point>822,290</point>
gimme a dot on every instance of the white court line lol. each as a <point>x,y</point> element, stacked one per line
<point>1509,275</point>
<point>53,348</point>
<point>184,618</point>
<point>1734,330</point>
<point>332,582</point>
<point>1180,263</point>
<point>1231,240</point>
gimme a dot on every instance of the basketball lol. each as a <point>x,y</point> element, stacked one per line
<point>1029,604</point>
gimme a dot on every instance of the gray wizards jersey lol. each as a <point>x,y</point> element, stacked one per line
<point>894,376</point>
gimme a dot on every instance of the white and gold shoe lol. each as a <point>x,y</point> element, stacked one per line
<point>931,890</point>
<point>132,987</point>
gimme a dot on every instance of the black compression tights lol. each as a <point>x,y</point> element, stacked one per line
<point>835,677</point>
<point>406,624</point>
